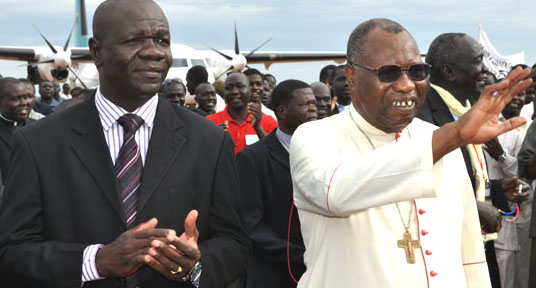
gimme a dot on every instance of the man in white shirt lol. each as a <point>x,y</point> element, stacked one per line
<point>388,205</point>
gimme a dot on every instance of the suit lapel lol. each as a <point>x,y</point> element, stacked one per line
<point>167,139</point>
<point>440,111</point>
<point>92,151</point>
<point>277,150</point>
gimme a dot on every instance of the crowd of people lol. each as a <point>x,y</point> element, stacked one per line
<point>389,171</point>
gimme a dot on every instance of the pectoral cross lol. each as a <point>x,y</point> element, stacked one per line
<point>408,245</point>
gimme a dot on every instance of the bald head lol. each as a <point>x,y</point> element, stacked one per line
<point>131,49</point>
<point>108,10</point>
<point>323,99</point>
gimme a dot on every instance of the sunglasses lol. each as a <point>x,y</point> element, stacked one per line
<point>391,73</point>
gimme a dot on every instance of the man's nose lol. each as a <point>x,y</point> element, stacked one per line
<point>152,50</point>
<point>24,101</point>
<point>404,83</point>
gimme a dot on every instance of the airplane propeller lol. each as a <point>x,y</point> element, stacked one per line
<point>61,59</point>
<point>238,61</point>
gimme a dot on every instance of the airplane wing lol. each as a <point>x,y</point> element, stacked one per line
<point>17,53</point>
<point>269,57</point>
<point>30,54</point>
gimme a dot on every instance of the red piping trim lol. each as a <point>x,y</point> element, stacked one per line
<point>329,187</point>
<point>481,262</point>
<point>288,244</point>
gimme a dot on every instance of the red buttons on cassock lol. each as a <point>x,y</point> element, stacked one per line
<point>423,232</point>
<point>421,211</point>
<point>428,252</point>
<point>433,273</point>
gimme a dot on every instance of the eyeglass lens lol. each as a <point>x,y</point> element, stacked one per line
<point>390,73</point>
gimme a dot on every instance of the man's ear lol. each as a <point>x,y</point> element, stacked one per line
<point>95,50</point>
<point>447,73</point>
<point>281,112</point>
<point>349,71</point>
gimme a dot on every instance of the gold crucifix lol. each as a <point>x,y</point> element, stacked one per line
<point>408,245</point>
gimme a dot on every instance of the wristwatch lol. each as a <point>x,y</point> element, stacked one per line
<point>502,157</point>
<point>194,275</point>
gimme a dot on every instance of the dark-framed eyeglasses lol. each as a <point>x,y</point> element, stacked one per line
<point>391,73</point>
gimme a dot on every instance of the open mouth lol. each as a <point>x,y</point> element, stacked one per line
<point>404,104</point>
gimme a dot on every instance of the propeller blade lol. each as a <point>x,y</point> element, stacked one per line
<point>222,54</point>
<point>72,71</point>
<point>46,40</point>
<point>46,61</point>
<point>260,46</point>
<point>228,69</point>
<point>236,48</point>
<point>70,34</point>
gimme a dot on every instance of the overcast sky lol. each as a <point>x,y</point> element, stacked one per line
<point>295,25</point>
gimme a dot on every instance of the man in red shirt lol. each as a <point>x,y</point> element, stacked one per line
<point>243,120</point>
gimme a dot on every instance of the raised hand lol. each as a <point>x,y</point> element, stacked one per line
<point>256,114</point>
<point>481,122</point>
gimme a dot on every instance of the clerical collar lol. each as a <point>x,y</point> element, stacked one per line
<point>343,107</point>
<point>369,128</point>
<point>283,138</point>
<point>11,122</point>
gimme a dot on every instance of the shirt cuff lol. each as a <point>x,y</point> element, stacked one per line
<point>89,269</point>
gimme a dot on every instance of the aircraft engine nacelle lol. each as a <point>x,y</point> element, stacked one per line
<point>48,71</point>
<point>239,63</point>
<point>51,66</point>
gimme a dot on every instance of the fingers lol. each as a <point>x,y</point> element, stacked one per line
<point>511,124</point>
<point>146,225</point>
<point>153,233</point>
<point>510,86</point>
<point>189,249</point>
<point>164,259</point>
<point>189,225</point>
<point>163,270</point>
<point>509,183</point>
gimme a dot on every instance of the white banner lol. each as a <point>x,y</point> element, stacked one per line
<point>498,64</point>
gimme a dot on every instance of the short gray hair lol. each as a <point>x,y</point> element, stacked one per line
<point>358,38</point>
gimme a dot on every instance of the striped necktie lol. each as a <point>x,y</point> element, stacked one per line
<point>128,167</point>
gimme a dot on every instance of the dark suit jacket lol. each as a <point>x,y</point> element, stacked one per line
<point>266,188</point>
<point>436,111</point>
<point>62,195</point>
<point>525,157</point>
<point>6,132</point>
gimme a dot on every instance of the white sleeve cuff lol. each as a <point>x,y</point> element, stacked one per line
<point>89,269</point>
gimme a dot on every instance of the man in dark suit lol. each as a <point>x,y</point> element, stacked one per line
<point>266,189</point>
<point>124,189</point>
<point>458,75</point>
<point>14,111</point>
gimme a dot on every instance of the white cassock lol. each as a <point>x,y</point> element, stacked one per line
<point>345,192</point>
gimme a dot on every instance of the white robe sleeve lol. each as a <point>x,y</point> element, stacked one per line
<point>332,179</point>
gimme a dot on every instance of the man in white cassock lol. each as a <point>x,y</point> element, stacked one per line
<point>391,204</point>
